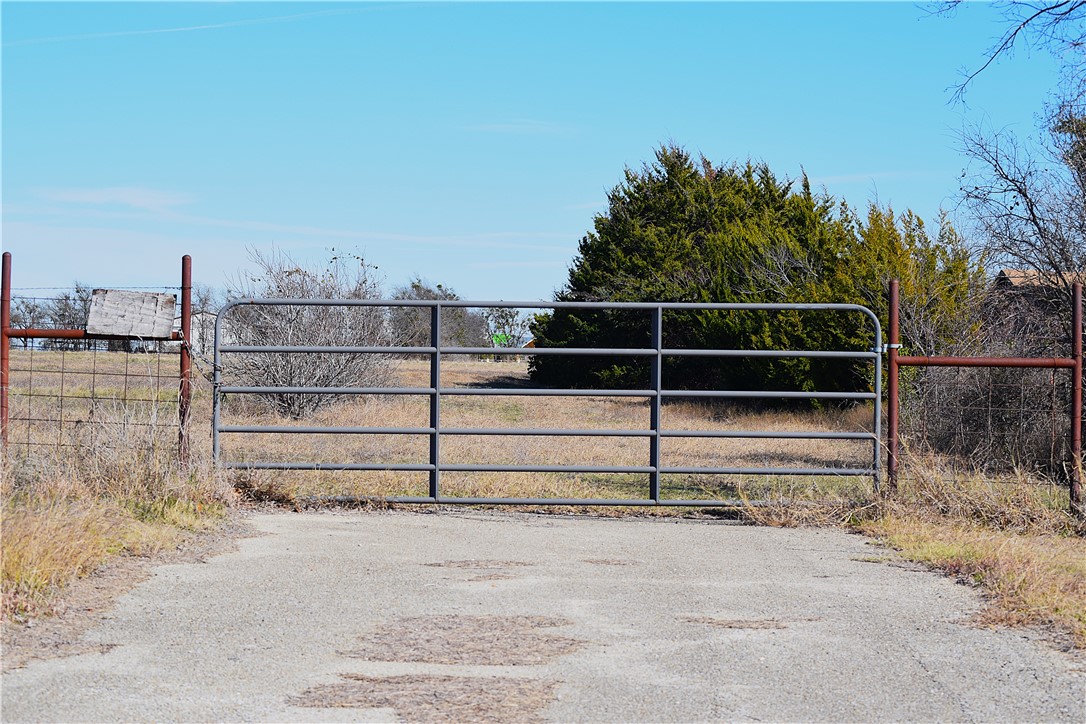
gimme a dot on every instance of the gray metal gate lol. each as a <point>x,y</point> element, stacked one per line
<point>655,394</point>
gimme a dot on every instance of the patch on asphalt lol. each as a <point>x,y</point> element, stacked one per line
<point>492,577</point>
<point>478,565</point>
<point>470,640</point>
<point>757,623</point>
<point>437,698</point>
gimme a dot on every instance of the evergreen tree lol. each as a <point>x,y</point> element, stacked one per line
<point>680,231</point>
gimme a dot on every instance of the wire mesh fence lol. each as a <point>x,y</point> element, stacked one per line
<point>1010,423</point>
<point>72,392</point>
<point>1004,402</point>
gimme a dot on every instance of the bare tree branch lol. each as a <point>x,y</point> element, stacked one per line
<point>1057,26</point>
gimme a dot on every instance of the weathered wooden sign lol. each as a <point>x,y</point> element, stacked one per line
<point>142,315</point>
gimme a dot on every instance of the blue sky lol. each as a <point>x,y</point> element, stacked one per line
<point>470,144</point>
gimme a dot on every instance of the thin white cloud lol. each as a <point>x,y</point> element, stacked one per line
<point>158,208</point>
<point>182,29</point>
<point>872,176</point>
<point>136,197</point>
<point>517,126</point>
<point>519,264</point>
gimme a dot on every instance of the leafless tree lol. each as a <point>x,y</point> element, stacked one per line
<point>206,302</point>
<point>506,327</point>
<point>280,277</point>
<point>460,326</point>
<point>69,310</point>
<point>1029,203</point>
<point>1058,25</point>
<point>28,313</point>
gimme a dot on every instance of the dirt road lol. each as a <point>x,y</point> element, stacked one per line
<point>515,617</point>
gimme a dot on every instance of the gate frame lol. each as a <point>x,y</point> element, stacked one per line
<point>1074,363</point>
<point>435,392</point>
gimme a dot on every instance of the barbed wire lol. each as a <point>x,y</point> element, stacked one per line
<point>61,289</point>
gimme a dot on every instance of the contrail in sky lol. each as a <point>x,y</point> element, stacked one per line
<point>156,31</point>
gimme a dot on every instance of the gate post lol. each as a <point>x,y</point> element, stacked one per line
<point>185,387</point>
<point>1076,401</point>
<point>892,346</point>
<point>5,345</point>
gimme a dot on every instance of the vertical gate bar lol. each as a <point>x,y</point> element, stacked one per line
<point>435,400</point>
<point>216,384</point>
<point>654,414</point>
<point>1076,402</point>
<point>185,391</point>
<point>5,345</point>
<point>892,390</point>
<point>876,450</point>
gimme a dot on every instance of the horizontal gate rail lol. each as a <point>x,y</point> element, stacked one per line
<point>573,351</point>
<point>655,433</point>
<point>513,392</point>
<point>547,432</point>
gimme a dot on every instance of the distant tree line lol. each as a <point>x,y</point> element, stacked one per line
<point>66,310</point>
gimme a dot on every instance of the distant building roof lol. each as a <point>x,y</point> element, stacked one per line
<point>1032,278</point>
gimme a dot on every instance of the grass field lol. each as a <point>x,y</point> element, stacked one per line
<point>113,485</point>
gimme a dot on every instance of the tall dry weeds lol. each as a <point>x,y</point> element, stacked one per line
<point>113,485</point>
<point>1012,537</point>
<point>1020,502</point>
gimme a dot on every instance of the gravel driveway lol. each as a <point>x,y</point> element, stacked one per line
<point>477,616</point>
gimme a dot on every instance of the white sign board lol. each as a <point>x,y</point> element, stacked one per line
<point>139,315</point>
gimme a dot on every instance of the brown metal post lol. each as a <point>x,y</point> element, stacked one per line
<point>5,345</point>
<point>1076,401</point>
<point>891,389</point>
<point>185,392</point>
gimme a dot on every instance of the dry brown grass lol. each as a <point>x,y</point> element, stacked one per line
<point>1014,538</point>
<point>106,482</point>
<point>49,542</point>
<point>1028,579</point>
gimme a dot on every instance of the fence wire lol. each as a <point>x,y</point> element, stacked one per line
<point>73,393</point>
<point>997,422</point>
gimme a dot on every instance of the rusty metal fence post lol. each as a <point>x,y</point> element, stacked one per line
<point>184,397</point>
<point>1076,401</point>
<point>892,347</point>
<point>5,346</point>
